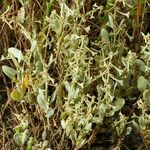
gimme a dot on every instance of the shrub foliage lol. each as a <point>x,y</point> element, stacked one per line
<point>74,74</point>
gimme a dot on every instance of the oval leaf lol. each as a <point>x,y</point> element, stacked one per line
<point>16,53</point>
<point>63,124</point>
<point>142,122</point>
<point>49,113</point>
<point>41,100</point>
<point>25,136</point>
<point>15,95</point>
<point>140,64</point>
<point>105,35</point>
<point>142,83</point>
<point>118,104</point>
<point>111,23</point>
<point>39,66</point>
<point>21,15</point>
<point>146,97</point>
<point>10,72</point>
<point>18,138</point>
<point>88,127</point>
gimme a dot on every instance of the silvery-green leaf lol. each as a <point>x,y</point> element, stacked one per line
<point>73,135</point>
<point>53,96</point>
<point>63,124</point>
<point>44,145</point>
<point>128,130</point>
<point>111,23</point>
<point>25,136</point>
<point>21,15</point>
<point>49,113</point>
<point>111,113</point>
<point>105,35</point>
<point>67,10</point>
<point>44,135</point>
<point>142,83</point>
<point>64,115</point>
<point>74,37</point>
<point>48,8</point>
<point>88,127</point>
<point>72,92</point>
<point>142,122</point>
<point>97,120</point>
<point>68,128</point>
<point>140,64</point>
<point>41,100</point>
<point>67,86</point>
<point>39,66</point>
<point>18,138</point>
<point>118,104</point>
<point>146,97</point>
<point>16,53</point>
<point>135,124</point>
<point>102,108</point>
<point>10,72</point>
<point>81,142</point>
<point>50,59</point>
<point>33,45</point>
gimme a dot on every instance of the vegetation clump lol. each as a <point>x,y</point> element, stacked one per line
<point>74,74</point>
